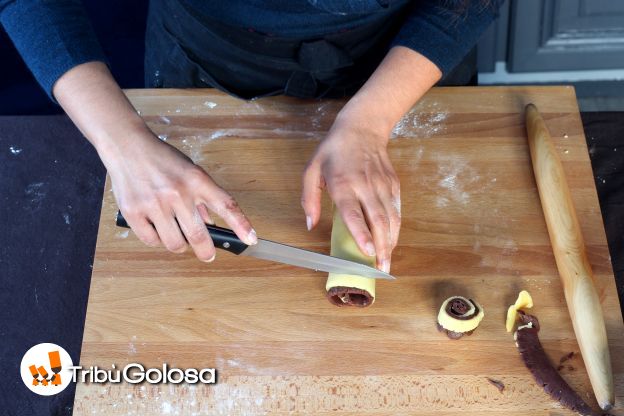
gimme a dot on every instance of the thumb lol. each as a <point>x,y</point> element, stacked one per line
<point>311,194</point>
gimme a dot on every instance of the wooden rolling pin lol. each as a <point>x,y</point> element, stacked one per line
<point>569,249</point>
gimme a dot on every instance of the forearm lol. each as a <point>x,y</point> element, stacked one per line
<point>401,79</point>
<point>51,36</point>
<point>97,106</point>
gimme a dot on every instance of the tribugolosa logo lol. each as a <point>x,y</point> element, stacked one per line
<point>45,369</point>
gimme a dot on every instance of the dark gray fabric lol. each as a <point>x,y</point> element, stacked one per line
<point>605,132</point>
<point>51,183</point>
<point>185,49</point>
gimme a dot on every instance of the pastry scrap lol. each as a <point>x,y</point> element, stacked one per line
<point>344,289</point>
<point>537,361</point>
<point>539,365</point>
<point>459,316</point>
<point>496,383</point>
<point>524,301</point>
<point>566,357</point>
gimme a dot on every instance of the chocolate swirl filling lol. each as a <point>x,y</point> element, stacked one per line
<point>458,308</point>
<point>349,296</point>
<point>543,371</point>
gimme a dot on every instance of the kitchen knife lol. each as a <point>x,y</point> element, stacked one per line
<point>226,239</point>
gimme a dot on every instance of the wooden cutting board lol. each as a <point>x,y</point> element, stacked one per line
<point>472,226</point>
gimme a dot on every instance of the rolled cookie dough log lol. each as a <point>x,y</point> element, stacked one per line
<point>344,289</point>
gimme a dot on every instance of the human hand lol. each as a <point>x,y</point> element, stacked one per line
<point>352,163</point>
<point>165,198</point>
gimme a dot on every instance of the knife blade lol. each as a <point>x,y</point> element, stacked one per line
<point>226,239</point>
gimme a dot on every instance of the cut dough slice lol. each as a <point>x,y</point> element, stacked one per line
<point>459,316</point>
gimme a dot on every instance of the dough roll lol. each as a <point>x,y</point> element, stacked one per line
<point>344,289</point>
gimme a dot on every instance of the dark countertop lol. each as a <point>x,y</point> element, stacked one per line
<point>50,197</point>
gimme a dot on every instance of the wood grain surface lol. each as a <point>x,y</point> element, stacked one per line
<point>472,226</point>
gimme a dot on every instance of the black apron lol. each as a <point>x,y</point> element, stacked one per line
<point>185,49</point>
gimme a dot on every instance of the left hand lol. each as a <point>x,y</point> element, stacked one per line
<point>353,164</point>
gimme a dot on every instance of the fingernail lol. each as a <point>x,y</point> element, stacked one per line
<point>309,222</point>
<point>252,237</point>
<point>385,266</point>
<point>370,249</point>
<point>211,259</point>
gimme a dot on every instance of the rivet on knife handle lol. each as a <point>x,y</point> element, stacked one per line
<point>222,238</point>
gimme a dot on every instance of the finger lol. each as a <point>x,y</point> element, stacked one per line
<point>390,196</point>
<point>168,231</point>
<point>205,215</point>
<point>196,233</point>
<point>226,207</point>
<point>395,219</point>
<point>311,194</point>
<point>351,213</point>
<point>142,228</point>
<point>392,205</point>
<point>379,224</point>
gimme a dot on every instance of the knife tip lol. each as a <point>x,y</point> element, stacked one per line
<point>388,276</point>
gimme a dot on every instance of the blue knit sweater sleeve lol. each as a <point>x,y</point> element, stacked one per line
<point>443,33</point>
<point>52,36</point>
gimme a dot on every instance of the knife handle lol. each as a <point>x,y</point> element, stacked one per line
<point>223,238</point>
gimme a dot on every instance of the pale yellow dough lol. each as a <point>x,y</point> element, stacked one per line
<point>524,301</point>
<point>344,246</point>
<point>457,325</point>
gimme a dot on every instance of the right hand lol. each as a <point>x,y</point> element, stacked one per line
<point>155,184</point>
